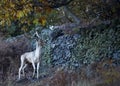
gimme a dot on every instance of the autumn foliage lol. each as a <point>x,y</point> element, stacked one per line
<point>24,11</point>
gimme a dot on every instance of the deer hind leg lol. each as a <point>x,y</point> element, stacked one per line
<point>33,64</point>
<point>38,64</point>
<point>22,63</point>
<point>23,69</point>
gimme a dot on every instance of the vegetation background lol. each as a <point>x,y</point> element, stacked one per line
<point>82,41</point>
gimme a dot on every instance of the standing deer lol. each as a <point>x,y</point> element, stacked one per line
<point>32,57</point>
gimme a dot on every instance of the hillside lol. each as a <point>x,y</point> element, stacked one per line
<point>87,57</point>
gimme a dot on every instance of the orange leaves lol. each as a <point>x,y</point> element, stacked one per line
<point>48,10</point>
<point>42,20</point>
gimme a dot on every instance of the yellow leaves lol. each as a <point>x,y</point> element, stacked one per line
<point>36,22</point>
<point>8,22</point>
<point>19,14</point>
<point>2,22</point>
<point>21,11</point>
<point>25,11</point>
<point>27,7</point>
<point>12,5</point>
<point>6,15</point>
<point>5,21</point>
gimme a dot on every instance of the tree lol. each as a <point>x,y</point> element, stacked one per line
<point>84,13</point>
<point>25,13</point>
<point>30,13</point>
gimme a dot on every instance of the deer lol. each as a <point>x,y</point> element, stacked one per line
<point>31,57</point>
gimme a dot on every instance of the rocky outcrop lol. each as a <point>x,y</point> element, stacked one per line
<point>58,48</point>
<point>61,50</point>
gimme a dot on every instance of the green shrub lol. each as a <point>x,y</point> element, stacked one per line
<point>97,43</point>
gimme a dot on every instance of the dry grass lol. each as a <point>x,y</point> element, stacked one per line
<point>62,78</point>
<point>104,77</point>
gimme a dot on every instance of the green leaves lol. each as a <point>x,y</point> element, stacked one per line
<point>100,42</point>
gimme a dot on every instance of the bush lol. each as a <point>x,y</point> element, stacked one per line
<point>97,43</point>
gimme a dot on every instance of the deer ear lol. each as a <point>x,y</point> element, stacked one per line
<point>36,33</point>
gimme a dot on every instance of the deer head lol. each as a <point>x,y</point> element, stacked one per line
<point>35,36</point>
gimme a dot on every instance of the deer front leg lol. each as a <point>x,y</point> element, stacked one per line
<point>38,64</point>
<point>33,64</point>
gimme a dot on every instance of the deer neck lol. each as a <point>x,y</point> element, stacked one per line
<point>38,50</point>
